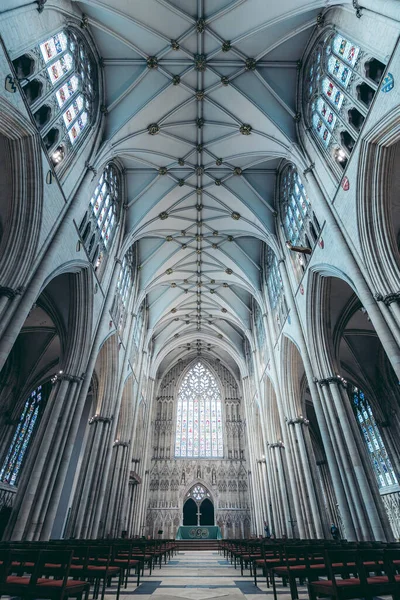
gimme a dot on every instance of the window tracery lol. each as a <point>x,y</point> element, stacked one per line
<point>199,415</point>
<point>99,224</point>
<point>28,421</point>
<point>300,225</point>
<point>124,286</point>
<point>59,86</point>
<point>377,453</point>
<point>198,493</point>
<point>339,85</point>
<point>259,327</point>
<point>275,288</point>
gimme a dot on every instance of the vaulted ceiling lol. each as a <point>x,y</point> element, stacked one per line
<point>200,97</point>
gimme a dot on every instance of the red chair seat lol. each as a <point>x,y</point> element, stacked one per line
<point>54,583</point>
<point>14,579</point>
<point>100,568</point>
<point>125,562</point>
<point>378,580</point>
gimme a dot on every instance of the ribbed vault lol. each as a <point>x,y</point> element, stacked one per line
<point>200,98</point>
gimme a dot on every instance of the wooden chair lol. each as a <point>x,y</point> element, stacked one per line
<point>45,575</point>
<point>360,564</point>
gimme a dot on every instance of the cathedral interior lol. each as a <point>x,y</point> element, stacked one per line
<point>200,279</point>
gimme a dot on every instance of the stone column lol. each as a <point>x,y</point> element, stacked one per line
<point>353,501</point>
<point>315,523</point>
<point>324,430</point>
<point>365,484</point>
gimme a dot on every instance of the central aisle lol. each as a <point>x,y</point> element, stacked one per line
<point>200,576</point>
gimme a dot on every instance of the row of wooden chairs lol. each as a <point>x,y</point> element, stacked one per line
<point>335,569</point>
<point>62,569</point>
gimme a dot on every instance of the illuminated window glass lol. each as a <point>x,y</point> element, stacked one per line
<point>199,415</point>
<point>377,453</point>
<point>104,207</point>
<point>332,97</point>
<point>295,204</point>
<point>71,72</point>
<point>274,280</point>
<point>11,469</point>
<point>124,285</point>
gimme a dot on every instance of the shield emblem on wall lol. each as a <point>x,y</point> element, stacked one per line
<point>387,84</point>
<point>10,85</point>
<point>345,183</point>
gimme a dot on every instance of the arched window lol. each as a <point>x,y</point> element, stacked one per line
<point>275,288</point>
<point>298,220</point>
<point>295,206</point>
<point>102,217</point>
<point>124,286</point>
<point>259,327</point>
<point>199,416</point>
<point>339,86</point>
<point>377,453</point>
<point>198,493</point>
<point>60,90</point>
<point>28,421</point>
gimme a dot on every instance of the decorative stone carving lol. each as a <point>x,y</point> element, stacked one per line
<point>200,63</point>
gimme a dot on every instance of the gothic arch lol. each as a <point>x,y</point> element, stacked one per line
<point>377,203</point>
<point>21,197</point>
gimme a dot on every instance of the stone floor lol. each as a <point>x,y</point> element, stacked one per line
<point>200,576</point>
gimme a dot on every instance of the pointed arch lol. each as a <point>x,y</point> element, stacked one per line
<point>199,432</point>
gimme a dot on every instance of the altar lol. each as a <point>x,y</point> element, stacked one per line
<point>202,532</point>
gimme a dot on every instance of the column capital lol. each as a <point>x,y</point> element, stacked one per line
<point>299,420</point>
<point>277,444</point>
<point>117,443</point>
<point>99,419</point>
<point>388,299</point>
<point>61,376</point>
<point>336,379</point>
<point>11,292</point>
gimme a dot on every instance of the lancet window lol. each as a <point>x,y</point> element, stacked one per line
<point>375,446</point>
<point>100,222</point>
<point>124,286</point>
<point>300,225</point>
<point>199,431</point>
<point>27,424</point>
<point>58,78</point>
<point>340,81</point>
<point>275,288</point>
<point>259,327</point>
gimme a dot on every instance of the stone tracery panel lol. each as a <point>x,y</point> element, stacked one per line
<point>172,478</point>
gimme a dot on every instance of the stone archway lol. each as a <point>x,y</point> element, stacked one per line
<point>190,511</point>
<point>207,512</point>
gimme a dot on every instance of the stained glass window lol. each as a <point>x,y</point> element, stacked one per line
<point>274,280</point>
<point>104,210</point>
<point>328,94</point>
<point>295,204</point>
<point>377,453</point>
<point>124,285</point>
<point>259,326</point>
<point>70,68</point>
<point>11,469</point>
<point>199,415</point>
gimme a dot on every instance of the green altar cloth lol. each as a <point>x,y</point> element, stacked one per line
<point>204,532</point>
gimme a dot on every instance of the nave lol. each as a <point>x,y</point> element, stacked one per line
<point>201,575</point>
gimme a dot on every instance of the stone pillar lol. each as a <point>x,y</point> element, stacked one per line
<point>324,429</point>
